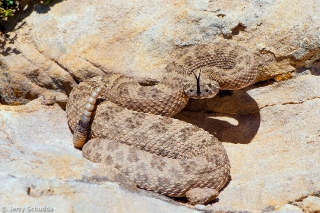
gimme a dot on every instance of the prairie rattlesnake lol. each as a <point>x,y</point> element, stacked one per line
<point>131,128</point>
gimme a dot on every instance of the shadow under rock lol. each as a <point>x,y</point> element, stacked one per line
<point>232,118</point>
<point>315,68</point>
<point>5,51</point>
<point>24,10</point>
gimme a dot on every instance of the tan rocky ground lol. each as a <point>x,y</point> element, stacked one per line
<point>273,148</point>
<point>74,40</point>
<point>41,168</point>
<point>270,130</point>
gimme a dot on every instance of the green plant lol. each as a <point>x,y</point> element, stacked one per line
<point>46,2</point>
<point>6,8</point>
<point>9,7</point>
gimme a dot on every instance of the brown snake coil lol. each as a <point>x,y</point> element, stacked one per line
<point>131,129</point>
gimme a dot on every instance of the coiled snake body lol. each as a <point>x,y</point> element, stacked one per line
<point>130,126</point>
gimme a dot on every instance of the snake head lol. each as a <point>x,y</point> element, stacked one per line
<point>201,89</point>
<point>205,90</point>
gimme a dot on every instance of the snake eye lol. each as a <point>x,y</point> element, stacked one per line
<point>206,90</point>
<point>191,90</point>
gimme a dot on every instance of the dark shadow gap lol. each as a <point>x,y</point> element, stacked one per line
<point>230,118</point>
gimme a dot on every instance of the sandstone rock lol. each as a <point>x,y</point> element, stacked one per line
<point>272,139</point>
<point>311,204</point>
<point>288,208</point>
<point>37,139</point>
<point>40,168</point>
<point>140,39</point>
<point>24,77</point>
<point>270,130</point>
<point>76,196</point>
<point>273,149</point>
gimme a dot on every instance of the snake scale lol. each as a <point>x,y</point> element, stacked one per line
<point>129,125</point>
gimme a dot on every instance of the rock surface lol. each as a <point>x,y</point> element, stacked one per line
<point>40,168</point>
<point>273,147</point>
<point>311,204</point>
<point>53,49</point>
<point>270,130</point>
<point>288,208</point>
<point>272,139</point>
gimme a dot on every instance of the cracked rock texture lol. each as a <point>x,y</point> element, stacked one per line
<point>272,138</point>
<point>288,208</point>
<point>311,204</point>
<point>270,130</point>
<point>77,39</point>
<point>273,147</point>
<point>40,167</point>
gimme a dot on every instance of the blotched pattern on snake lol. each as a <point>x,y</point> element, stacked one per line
<point>130,126</point>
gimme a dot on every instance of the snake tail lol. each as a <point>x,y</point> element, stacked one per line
<point>81,132</point>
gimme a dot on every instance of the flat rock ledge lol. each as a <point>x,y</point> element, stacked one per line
<point>41,169</point>
<point>53,50</point>
<point>270,132</point>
